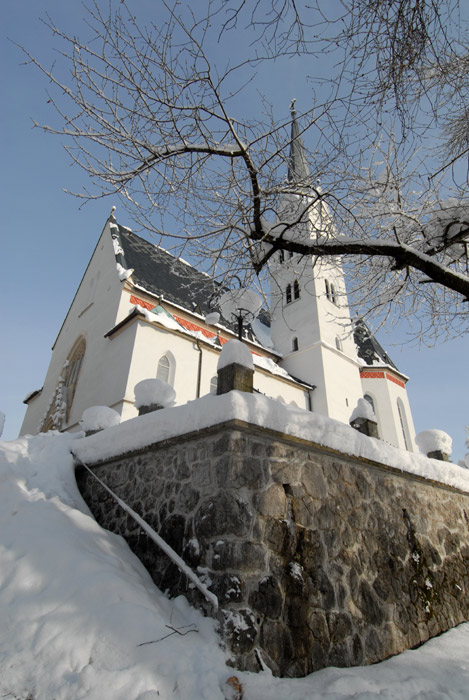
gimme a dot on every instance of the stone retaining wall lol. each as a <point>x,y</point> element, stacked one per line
<point>317,558</point>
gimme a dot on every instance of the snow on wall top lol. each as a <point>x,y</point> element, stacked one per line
<point>261,411</point>
<point>235,352</point>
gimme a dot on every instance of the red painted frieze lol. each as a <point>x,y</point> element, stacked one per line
<point>371,375</point>
<point>395,380</point>
<point>367,374</point>
<point>140,302</point>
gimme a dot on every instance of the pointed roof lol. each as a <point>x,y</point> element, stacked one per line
<point>298,168</point>
<point>368,348</point>
<point>161,274</point>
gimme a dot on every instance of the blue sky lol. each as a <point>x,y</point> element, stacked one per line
<point>46,240</point>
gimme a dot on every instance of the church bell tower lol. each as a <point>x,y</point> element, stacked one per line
<point>310,318</point>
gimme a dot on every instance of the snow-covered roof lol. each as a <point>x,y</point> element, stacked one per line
<point>160,274</point>
<point>369,349</point>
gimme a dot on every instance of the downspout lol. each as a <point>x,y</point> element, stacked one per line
<point>310,398</point>
<point>199,368</point>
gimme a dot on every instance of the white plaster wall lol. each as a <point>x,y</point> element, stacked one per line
<point>153,341</point>
<point>317,322</point>
<point>92,313</point>
<point>385,394</point>
<point>343,385</point>
<point>336,377</point>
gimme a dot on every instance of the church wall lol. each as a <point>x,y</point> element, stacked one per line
<point>343,384</point>
<point>93,312</point>
<point>318,559</point>
<point>277,389</point>
<point>336,377</point>
<point>386,394</point>
<point>152,342</point>
<point>299,317</point>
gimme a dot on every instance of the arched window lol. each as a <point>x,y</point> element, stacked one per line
<point>164,367</point>
<point>333,295</point>
<point>281,256</point>
<point>294,344</point>
<point>296,289</point>
<point>369,398</point>
<point>338,343</point>
<point>288,294</point>
<point>60,406</point>
<point>328,291</point>
<point>72,371</point>
<point>404,425</point>
<point>48,425</point>
<point>214,384</point>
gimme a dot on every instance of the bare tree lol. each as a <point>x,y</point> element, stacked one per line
<point>149,115</point>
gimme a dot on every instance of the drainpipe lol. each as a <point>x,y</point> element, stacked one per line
<point>310,398</point>
<point>199,368</point>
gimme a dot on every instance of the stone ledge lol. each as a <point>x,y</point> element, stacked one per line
<point>237,424</point>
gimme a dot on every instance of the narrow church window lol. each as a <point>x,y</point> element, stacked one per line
<point>164,366</point>
<point>281,256</point>
<point>333,295</point>
<point>328,291</point>
<point>404,426</point>
<point>296,289</point>
<point>294,344</point>
<point>290,253</point>
<point>369,398</point>
<point>74,363</point>
<point>338,343</point>
<point>288,294</point>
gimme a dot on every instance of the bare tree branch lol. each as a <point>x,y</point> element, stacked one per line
<point>150,113</point>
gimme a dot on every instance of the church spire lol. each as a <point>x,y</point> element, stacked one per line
<point>298,168</point>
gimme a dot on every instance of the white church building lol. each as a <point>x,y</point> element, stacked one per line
<point>139,312</point>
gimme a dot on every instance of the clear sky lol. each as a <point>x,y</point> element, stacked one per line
<point>46,240</point>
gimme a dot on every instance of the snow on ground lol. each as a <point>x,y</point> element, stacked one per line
<point>76,604</point>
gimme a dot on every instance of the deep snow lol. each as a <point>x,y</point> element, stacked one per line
<point>80,617</point>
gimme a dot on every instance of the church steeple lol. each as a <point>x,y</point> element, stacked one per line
<point>298,168</point>
<point>310,318</point>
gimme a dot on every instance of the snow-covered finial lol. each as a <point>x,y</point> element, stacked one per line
<point>113,209</point>
<point>292,108</point>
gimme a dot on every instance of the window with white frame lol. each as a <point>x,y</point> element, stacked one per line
<point>164,369</point>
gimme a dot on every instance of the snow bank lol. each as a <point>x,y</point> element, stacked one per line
<point>154,391</point>
<point>433,440</point>
<point>235,352</point>
<point>80,617</point>
<point>75,603</point>
<point>262,411</point>
<point>99,418</point>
